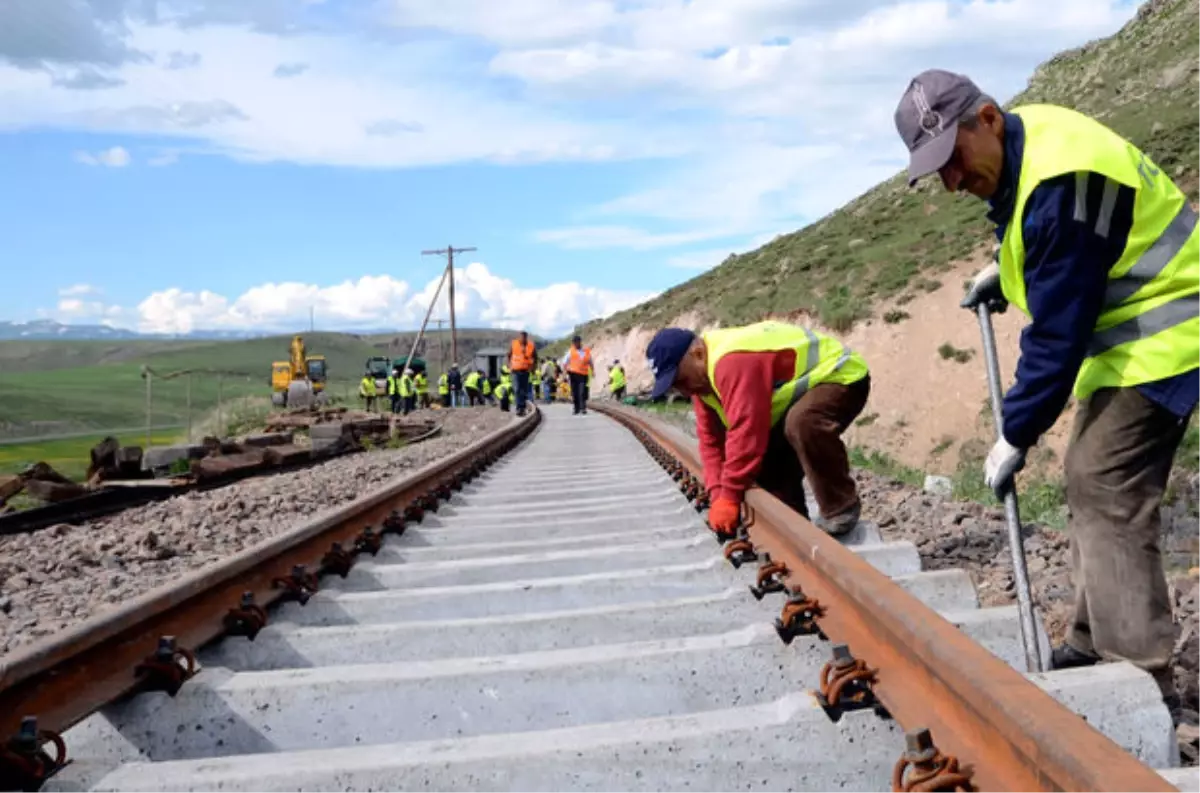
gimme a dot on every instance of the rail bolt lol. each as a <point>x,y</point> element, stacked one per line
<point>24,764</point>
<point>799,618</point>
<point>767,579</point>
<point>162,670</point>
<point>414,513</point>
<point>394,523</point>
<point>245,619</point>
<point>846,686</point>
<point>337,560</point>
<point>299,586</point>
<point>368,541</point>
<point>924,767</point>
<point>740,552</point>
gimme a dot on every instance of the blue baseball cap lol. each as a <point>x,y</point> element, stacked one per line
<point>664,353</point>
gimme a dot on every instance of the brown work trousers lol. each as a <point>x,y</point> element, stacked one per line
<point>1117,466</point>
<point>808,443</point>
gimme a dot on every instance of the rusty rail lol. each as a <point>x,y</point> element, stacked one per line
<point>64,678</point>
<point>928,674</point>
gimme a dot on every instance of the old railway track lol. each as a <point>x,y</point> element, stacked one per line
<point>558,617</point>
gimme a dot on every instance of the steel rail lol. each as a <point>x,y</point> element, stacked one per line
<point>64,678</point>
<point>930,675</point>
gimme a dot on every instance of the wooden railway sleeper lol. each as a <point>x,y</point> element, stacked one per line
<point>799,618</point>
<point>846,686</point>
<point>245,619</point>
<point>769,579</point>
<point>24,762</point>
<point>162,670</point>
<point>299,586</point>
<point>923,768</point>
<point>337,560</point>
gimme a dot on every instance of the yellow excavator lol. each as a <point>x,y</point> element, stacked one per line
<point>300,380</point>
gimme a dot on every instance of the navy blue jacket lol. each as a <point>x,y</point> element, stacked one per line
<point>1066,273</point>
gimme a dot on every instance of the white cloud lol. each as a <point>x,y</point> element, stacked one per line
<point>372,302</point>
<point>766,113</point>
<point>83,303</point>
<point>116,157</point>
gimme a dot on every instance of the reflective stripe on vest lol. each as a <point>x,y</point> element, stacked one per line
<point>1149,327</point>
<point>444,384</point>
<point>819,359</point>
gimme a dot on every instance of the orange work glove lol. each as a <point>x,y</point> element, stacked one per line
<point>723,515</point>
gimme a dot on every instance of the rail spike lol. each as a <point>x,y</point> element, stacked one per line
<point>24,762</point>
<point>846,686</point>
<point>923,767</point>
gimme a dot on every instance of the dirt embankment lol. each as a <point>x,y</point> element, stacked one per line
<point>928,383</point>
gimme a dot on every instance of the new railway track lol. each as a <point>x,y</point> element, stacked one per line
<point>546,610</point>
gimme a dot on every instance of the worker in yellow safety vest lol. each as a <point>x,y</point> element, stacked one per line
<point>393,390</point>
<point>408,391</point>
<point>616,381</point>
<point>771,402</point>
<point>366,391</point>
<point>421,383</point>
<point>1099,248</point>
<point>503,392</point>
<point>485,388</point>
<point>471,386</point>
<point>444,389</point>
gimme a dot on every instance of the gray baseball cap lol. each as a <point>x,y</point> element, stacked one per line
<point>927,118</point>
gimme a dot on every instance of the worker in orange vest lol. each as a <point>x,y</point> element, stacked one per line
<point>521,360</point>
<point>578,363</point>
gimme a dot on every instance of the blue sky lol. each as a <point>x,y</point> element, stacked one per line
<point>171,165</point>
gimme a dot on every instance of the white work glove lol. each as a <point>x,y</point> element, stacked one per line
<point>1003,461</point>
<point>985,288</point>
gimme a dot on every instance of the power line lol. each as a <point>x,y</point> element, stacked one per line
<point>449,252</point>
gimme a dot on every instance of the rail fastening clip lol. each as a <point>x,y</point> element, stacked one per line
<point>846,686</point>
<point>24,762</point>
<point>923,767</point>
<point>162,670</point>
<point>245,619</point>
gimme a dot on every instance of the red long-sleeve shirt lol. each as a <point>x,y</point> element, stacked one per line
<point>733,456</point>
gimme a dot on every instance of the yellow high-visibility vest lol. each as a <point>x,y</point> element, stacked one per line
<point>1149,328</point>
<point>819,359</point>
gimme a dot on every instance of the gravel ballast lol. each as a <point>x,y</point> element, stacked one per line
<point>59,576</point>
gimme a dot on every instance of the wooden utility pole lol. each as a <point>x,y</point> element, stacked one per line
<point>441,346</point>
<point>449,252</point>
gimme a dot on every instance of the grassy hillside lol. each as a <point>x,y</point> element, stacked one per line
<point>40,392</point>
<point>892,242</point>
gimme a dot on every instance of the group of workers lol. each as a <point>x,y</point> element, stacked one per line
<point>1098,247</point>
<point>406,390</point>
<point>522,377</point>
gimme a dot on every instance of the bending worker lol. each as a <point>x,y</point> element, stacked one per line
<point>1099,248</point>
<point>771,402</point>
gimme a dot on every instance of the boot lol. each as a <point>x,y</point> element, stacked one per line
<point>840,525</point>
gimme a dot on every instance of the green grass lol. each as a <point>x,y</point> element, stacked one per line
<point>949,352</point>
<point>890,242</point>
<point>70,457</point>
<point>884,464</point>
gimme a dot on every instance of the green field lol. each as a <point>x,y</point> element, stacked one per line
<point>70,457</point>
<point>39,395</point>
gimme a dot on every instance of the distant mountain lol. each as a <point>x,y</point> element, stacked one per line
<point>46,329</point>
